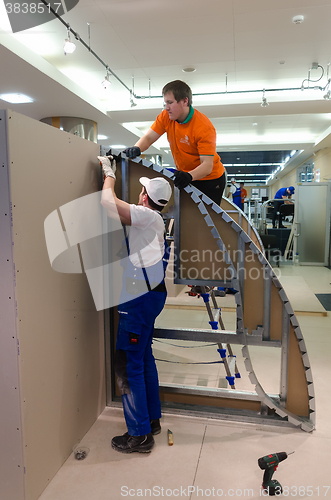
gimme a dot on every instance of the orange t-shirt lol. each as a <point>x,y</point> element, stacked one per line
<point>243,194</point>
<point>189,140</point>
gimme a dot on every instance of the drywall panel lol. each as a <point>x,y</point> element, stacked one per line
<point>11,451</point>
<point>253,296</point>
<point>297,390</point>
<point>235,213</point>
<point>210,401</point>
<point>204,260</point>
<point>60,333</point>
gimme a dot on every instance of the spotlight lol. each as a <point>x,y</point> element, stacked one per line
<point>69,46</point>
<point>264,102</point>
<point>106,83</point>
<point>133,104</point>
<point>327,96</point>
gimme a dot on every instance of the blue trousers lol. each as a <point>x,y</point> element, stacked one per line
<point>135,365</point>
<point>237,200</point>
<point>277,205</point>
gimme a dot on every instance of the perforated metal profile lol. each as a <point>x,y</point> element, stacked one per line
<point>199,198</point>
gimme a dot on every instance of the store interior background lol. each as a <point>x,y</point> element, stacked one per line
<point>232,46</point>
<point>147,44</point>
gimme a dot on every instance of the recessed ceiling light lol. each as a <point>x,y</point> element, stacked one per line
<point>117,146</point>
<point>102,137</point>
<point>189,69</point>
<point>254,124</point>
<point>15,98</point>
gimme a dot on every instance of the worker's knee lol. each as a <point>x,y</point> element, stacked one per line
<point>120,366</point>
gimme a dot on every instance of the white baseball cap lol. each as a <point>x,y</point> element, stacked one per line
<point>233,179</point>
<point>158,189</point>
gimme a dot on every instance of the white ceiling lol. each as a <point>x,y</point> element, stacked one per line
<point>235,45</point>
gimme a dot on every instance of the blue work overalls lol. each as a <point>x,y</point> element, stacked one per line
<point>135,366</point>
<point>236,197</point>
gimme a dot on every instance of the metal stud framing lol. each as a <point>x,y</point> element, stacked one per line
<point>260,336</point>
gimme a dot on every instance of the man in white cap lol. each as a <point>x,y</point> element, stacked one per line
<point>235,190</point>
<point>142,299</point>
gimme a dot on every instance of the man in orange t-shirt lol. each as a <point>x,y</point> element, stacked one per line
<point>243,195</point>
<point>192,139</point>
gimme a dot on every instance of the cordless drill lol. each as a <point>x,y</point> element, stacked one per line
<point>269,464</point>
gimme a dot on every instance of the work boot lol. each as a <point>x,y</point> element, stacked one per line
<point>155,426</point>
<point>130,444</point>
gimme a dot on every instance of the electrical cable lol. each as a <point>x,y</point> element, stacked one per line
<point>185,346</point>
<point>181,363</point>
<point>313,81</point>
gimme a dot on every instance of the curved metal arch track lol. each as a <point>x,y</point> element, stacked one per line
<point>289,321</point>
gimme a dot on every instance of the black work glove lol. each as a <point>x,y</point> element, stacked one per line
<point>132,152</point>
<point>182,179</point>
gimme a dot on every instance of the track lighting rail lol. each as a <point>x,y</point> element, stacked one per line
<point>226,92</point>
<point>87,46</point>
